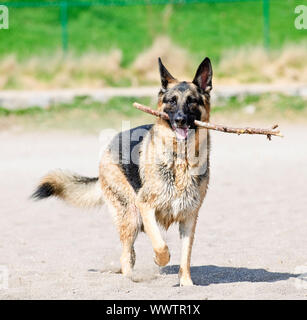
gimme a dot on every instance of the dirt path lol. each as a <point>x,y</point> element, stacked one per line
<point>250,239</point>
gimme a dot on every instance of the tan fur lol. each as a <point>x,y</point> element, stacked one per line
<point>173,176</point>
<point>154,204</point>
<point>68,189</point>
<point>120,198</point>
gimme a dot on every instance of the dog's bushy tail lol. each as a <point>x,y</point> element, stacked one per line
<point>77,190</point>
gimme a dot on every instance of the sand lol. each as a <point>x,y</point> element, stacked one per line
<point>250,239</point>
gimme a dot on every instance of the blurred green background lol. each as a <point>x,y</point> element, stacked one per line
<point>212,26</point>
<point>97,44</point>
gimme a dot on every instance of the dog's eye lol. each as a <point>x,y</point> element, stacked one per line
<point>191,100</point>
<point>173,101</point>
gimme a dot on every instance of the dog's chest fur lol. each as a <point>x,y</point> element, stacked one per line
<point>162,176</point>
<point>179,188</point>
<point>173,183</point>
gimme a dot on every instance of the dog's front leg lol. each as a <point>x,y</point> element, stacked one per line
<point>187,230</point>
<point>162,254</point>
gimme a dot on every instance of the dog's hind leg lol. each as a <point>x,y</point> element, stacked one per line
<point>128,226</point>
<point>127,259</point>
<point>120,198</point>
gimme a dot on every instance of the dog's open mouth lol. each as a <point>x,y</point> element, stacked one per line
<point>181,133</point>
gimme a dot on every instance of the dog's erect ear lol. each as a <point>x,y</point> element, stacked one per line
<point>166,77</point>
<point>203,77</point>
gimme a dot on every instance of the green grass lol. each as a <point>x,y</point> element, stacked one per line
<point>201,28</point>
<point>82,114</point>
<point>121,105</point>
<point>265,103</point>
<point>85,115</point>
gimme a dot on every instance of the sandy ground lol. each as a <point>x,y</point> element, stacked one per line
<point>250,240</point>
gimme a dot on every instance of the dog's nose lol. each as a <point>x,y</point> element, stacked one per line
<point>180,120</point>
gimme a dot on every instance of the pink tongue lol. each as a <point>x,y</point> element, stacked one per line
<point>181,133</point>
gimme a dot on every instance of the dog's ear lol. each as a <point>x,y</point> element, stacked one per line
<point>203,76</point>
<point>166,77</point>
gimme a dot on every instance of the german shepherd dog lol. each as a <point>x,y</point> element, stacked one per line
<point>151,175</point>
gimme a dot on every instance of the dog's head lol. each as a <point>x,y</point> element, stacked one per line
<point>185,101</point>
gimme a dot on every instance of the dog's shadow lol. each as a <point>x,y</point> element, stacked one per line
<point>206,275</point>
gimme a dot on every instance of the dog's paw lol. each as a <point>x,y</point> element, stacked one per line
<point>162,256</point>
<point>126,271</point>
<point>185,281</point>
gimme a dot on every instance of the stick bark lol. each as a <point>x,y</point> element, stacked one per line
<point>211,126</point>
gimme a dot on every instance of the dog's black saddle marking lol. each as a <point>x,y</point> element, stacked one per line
<point>125,151</point>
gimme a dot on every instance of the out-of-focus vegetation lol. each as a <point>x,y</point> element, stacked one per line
<point>119,45</point>
<point>200,28</point>
<point>93,70</point>
<point>85,115</point>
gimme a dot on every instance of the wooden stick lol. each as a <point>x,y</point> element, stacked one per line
<point>248,130</point>
<point>156,113</point>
